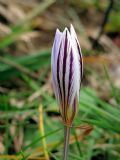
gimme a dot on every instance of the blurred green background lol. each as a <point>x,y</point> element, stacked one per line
<point>30,125</point>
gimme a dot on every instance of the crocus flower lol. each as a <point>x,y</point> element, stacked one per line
<point>67,71</point>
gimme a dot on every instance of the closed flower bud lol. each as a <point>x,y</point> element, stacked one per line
<point>67,71</point>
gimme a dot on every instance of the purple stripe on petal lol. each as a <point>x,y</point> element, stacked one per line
<point>81,63</point>
<point>58,78</point>
<point>64,70</point>
<point>70,73</point>
<point>64,63</point>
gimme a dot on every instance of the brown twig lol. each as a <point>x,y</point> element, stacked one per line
<point>105,19</point>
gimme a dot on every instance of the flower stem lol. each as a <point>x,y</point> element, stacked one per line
<point>66,142</point>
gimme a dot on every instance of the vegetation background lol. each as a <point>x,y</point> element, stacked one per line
<point>30,125</point>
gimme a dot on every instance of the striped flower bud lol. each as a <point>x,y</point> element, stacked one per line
<point>67,70</point>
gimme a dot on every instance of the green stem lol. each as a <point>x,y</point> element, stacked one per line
<point>66,142</point>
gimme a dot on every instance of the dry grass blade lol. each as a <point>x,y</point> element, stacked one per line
<point>41,128</point>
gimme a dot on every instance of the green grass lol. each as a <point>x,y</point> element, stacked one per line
<point>92,110</point>
<point>23,81</point>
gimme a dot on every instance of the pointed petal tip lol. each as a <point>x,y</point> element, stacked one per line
<point>58,34</point>
<point>72,30</point>
<point>66,29</point>
<point>71,26</point>
<point>57,30</point>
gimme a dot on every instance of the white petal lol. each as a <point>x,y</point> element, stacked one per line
<point>61,60</point>
<point>55,51</point>
<point>74,37</point>
<point>75,85</point>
